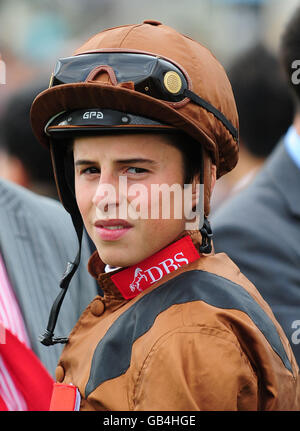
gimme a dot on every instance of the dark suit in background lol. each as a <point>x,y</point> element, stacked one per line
<point>260,230</point>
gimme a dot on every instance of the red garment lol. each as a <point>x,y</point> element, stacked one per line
<point>10,313</point>
<point>28,373</point>
<point>3,407</point>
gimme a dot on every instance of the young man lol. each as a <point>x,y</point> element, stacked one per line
<point>178,328</point>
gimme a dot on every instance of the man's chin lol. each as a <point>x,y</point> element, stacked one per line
<point>116,258</point>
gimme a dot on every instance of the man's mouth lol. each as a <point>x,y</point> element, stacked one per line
<point>110,230</point>
<point>114,227</point>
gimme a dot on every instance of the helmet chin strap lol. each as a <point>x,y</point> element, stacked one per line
<point>205,230</point>
<point>47,338</point>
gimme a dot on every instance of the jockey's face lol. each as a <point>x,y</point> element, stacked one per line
<point>117,180</point>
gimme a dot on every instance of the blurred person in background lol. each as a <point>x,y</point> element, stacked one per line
<point>22,160</point>
<point>260,227</point>
<point>265,110</point>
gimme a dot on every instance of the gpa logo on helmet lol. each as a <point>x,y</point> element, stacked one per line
<point>89,115</point>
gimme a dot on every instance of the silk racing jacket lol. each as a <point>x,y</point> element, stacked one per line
<point>179,331</point>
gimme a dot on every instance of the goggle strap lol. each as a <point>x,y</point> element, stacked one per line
<point>47,338</point>
<point>210,108</point>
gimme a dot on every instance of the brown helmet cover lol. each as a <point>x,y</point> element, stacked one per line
<point>207,79</point>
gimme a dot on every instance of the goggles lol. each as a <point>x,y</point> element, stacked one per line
<point>152,75</point>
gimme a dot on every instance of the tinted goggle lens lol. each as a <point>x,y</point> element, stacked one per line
<point>151,75</point>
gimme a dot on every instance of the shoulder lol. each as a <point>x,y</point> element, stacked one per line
<point>183,319</point>
<point>193,344</point>
<point>198,369</point>
<point>199,299</point>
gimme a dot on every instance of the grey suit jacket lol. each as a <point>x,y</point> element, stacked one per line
<point>260,230</point>
<point>37,239</point>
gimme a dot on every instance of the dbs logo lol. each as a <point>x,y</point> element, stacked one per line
<point>295,77</point>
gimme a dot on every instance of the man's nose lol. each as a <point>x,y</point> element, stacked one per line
<point>106,192</point>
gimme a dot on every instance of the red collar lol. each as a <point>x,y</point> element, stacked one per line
<point>115,288</point>
<point>135,279</point>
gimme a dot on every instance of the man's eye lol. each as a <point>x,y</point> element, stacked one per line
<point>133,170</point>
<point>90,170</point>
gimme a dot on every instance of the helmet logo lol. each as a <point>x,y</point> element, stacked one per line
<point>88,115</point>
<point>172,82</point>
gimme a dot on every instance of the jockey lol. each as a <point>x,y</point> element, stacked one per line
<point>179,327</point>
